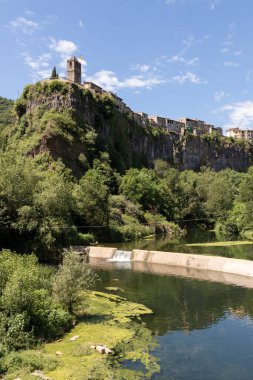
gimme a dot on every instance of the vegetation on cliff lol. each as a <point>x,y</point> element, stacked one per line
<point>63,183</point>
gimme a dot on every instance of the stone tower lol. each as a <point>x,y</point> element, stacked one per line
<point>74,70</point>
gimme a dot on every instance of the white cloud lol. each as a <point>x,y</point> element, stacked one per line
<point>142,68</point>
<point>109,81</point>
<point>240,114</point>
<point>219,95</point>
<point>64,47</point>
<point>81,24</point>
<point>188,77</point>
<point>40,66</point>
<point>231,64</point>
<point>24,25</point>
<point>237,53</point>
<point>178,58</point>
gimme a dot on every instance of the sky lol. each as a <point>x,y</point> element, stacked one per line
<point>171,58</point>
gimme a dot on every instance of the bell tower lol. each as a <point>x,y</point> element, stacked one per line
<point>74,70</point>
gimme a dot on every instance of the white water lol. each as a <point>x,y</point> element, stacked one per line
<point>121,256</point>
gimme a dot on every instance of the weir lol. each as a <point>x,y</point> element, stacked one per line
<point>121,256</point>
<point>213,268</point>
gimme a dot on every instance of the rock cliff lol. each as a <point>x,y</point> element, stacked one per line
<point>74,125</point>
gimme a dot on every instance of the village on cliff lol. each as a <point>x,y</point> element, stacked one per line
<point>180,126</point>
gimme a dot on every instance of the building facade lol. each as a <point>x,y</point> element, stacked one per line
<point>237,133</point>
<point>74,70</point>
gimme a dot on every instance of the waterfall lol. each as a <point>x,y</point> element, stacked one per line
<point>121,256</point>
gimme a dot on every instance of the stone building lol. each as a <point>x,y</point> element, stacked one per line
<point>237,133</point>
<point>74,70</point>
<point>199,127</point>
<point>157,120</point>
<point>94,88</point>
<point>174,125</point>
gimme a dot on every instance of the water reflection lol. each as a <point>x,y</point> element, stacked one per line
<point>204,329</point>
<point>194,235</point>
<point>180,303</point>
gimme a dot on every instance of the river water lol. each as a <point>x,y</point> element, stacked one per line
<point>204,329</point>
<point>193,235</point>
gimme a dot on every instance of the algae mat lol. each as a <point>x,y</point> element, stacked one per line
<point>109,321</point>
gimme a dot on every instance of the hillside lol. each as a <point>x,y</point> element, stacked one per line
<point>74,170</point>
<point>6,117</point>
<point>70,123</point>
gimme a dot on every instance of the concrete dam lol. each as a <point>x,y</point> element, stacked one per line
<point>210,268</point>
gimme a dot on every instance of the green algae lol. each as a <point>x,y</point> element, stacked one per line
<point>221,243</point>
<point>110,320</point>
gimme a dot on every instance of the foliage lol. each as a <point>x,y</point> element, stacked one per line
<point>72,279</point>
<point>30,360</point>
<point>20,106</point>
<point>54,73</point>
<point>91,197</point>
<point>106,106</point>
<point>28,311</point>
<point>117,328</point>
<point>6,107</point>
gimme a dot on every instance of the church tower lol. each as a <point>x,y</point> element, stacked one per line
<point>74,70</point>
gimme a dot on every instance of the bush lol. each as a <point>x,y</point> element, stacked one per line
<point>106,106</point>
<point>72,279</point>
<point>20,107</point>
<point>56,86</point>
<point>30,360</point>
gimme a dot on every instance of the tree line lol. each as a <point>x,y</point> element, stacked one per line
<point>44,208</point>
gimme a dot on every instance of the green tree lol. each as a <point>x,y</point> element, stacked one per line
<point>91,196</point>
<point>54,74</point>
<point>141,186</point>
<point>72,280</point>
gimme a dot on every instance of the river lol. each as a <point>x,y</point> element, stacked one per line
<point>204,329</point>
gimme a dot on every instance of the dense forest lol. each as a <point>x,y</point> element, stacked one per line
<point>45,206</point>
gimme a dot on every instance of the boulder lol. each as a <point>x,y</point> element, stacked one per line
<point>74,338</point>
<point>41,375</point>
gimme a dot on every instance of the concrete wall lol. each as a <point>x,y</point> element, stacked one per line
<point>210,263</point>
<point>101,252</point>
<point>189,261</point>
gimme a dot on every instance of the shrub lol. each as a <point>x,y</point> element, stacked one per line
<point>56,86</point>
<point>30,360</point>
<point>20,107</point>
<point>72,279</point>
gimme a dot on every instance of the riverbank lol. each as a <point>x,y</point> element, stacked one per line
<point>108,320</point>
<point>111,321</point>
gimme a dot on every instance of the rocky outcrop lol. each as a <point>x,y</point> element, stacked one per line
<point>129,144</point>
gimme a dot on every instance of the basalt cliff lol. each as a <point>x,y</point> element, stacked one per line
<point>67,122</point>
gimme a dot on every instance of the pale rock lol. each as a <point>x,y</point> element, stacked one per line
<point>74,338</point>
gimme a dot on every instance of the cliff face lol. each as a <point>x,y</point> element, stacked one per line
<point>128,144</point>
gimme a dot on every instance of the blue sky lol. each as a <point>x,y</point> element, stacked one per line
<point>171,58</point>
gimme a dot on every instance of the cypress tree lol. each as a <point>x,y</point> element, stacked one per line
<point>54,74</point>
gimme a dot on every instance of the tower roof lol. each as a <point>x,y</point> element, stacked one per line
<point>73,59</point>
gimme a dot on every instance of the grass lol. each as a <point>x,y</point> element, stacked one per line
<point>221,243</point>
<point>109,321</point>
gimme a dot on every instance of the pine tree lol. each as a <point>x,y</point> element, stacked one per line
<point>54,74</point>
